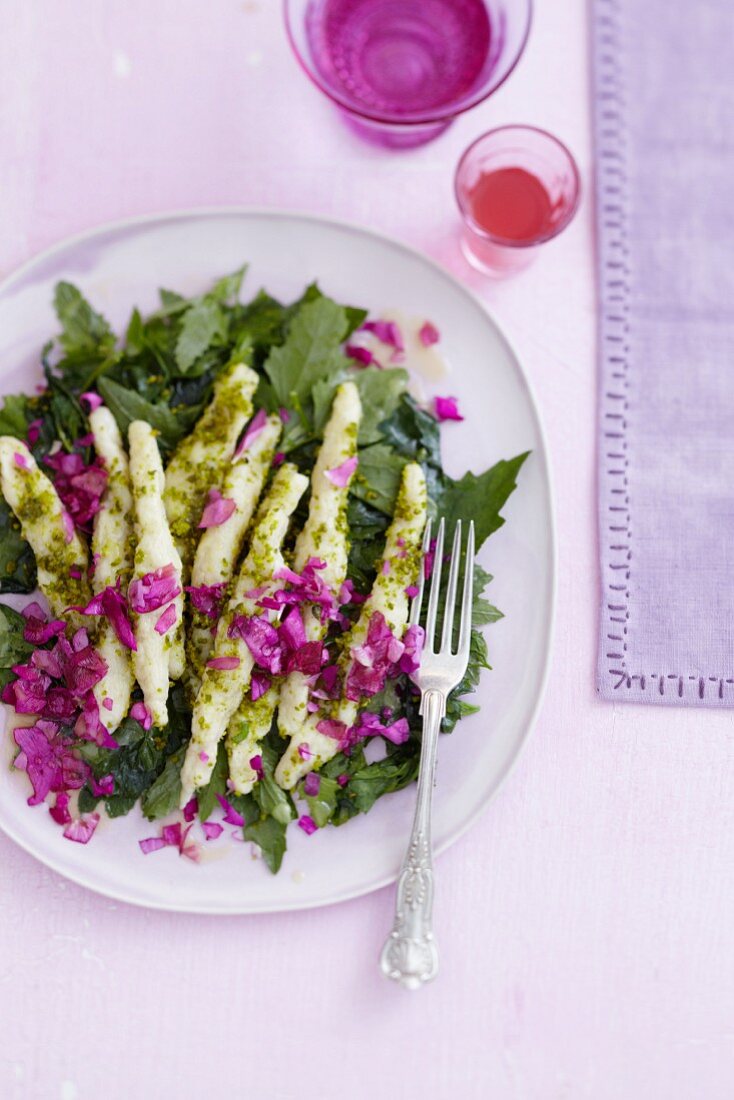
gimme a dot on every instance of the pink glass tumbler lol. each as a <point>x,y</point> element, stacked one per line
<point>516,188</point>
<point>401,70</point>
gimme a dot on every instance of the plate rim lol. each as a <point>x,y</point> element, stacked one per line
<point>18,274</point>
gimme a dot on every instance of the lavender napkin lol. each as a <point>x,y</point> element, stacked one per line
<point>664,101</point>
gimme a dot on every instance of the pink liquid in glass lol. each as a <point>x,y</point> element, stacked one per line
<point>400,57</point>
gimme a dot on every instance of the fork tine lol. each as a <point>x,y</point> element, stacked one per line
<point>450,607</point>
<point>468,597</point>
<point>417,601</point>
<point>435,588</point>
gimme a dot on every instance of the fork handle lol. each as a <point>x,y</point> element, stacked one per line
<point>410,956</point>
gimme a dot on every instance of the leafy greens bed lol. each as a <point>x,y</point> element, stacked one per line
<point>163,371</point>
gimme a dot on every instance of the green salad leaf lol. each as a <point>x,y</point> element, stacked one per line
<point>17,561</point>
<point>14,649</point>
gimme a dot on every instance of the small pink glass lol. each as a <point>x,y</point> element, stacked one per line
<point>402,70</point>
<point>549,171</point>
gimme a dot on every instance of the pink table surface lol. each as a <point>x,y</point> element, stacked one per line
<point>586,922</point>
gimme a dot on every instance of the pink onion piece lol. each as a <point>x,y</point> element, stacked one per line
<point>91,400</point>
<point>79,486</point>
<point>112,605</point>
<point>154,590</point>
<point>21,460</point>
<point>447,408</point>
<point>341,475</point>
<point>60,809</point>
<point>259,684</point>
<point>223,664</point>
<point>428,335</point>
<point>166,619</point>
<point>141,714</point>
<point>34,432</point>
<point>360,354</point>
<point>212,829</point>
<point>387,332</point>
<point>191,809</point>
<point>311,784</point>
<point>151,844</point>
<point>256,763</point>
<point>254,428</point>
<point>217,509</point>
<point>207,598</point>
<point>307,823</point>
<point>231,816</point>
<point>82,830</point>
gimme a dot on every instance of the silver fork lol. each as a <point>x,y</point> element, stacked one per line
<point>410,956</point>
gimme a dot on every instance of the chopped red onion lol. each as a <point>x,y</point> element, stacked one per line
<point>428,335</point>
<point>254,428</point>
<point>223,664</point>
<point>387,332</point>
<point>60,809</point>
<point>217,509</point>
<point>360,354</point>
<point>311,784</point>
<point>231,816</point>
<point>111,604</point>
<point>154,590</point>
<point>342,474</point>
<point>151,844</point>
<point>91,400</point>
<point>82,830</point>
<point>141,714</point>
<point>166,619</point>
<point>307,823</point>
<point>447,408</point>
<point>207,598</point>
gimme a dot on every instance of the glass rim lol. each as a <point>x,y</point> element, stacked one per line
<point>415,118</point>
<point>495,238</point>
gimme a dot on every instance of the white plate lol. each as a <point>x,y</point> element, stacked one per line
<point>124,264</point>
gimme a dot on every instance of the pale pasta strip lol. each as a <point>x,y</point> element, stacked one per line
<point>248,726</point>
<point>325,535</point>
<point>200,459</point>
<point>158,656</point>
<point>219,547</point>
<point>400,563</point>
<point>112,554</point>
<point>62,558</point>
<point>222,689</point>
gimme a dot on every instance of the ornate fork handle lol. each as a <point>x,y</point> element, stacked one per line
<point>410,956</point>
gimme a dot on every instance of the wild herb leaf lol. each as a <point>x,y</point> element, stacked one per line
<point>162,797</point>
<point>311,351</point>
<point>83,331</point>
<point>204,324</point>
<point>126,406</point>
<point>480,497</point>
